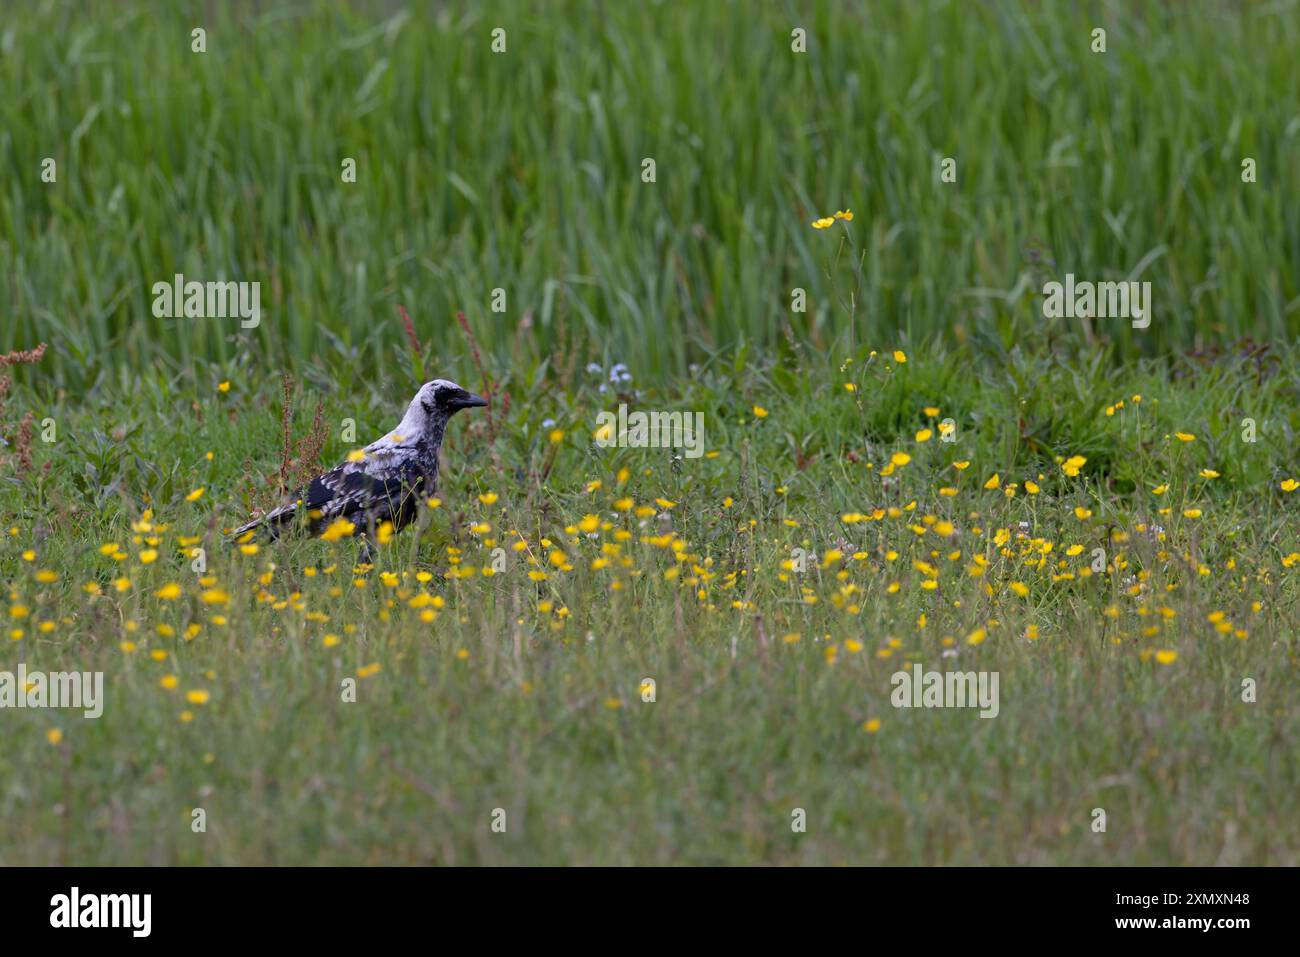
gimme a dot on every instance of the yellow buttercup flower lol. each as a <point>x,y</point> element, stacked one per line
<point>339,528</point>
<point>1072,465</point>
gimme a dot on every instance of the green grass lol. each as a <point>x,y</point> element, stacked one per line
<point>522,171</point>
<point>1120,689</point>
<point>505,701</point>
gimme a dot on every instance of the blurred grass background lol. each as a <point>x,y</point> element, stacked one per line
<point>522,170</point>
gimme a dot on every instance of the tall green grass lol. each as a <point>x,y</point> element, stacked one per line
<point>522,171</point>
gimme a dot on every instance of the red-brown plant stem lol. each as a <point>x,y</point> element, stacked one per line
<point>409,326</point>
<point>488,387</point>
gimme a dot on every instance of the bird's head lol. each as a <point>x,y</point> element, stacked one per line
<point>440,399</point>
<point>426,417</point>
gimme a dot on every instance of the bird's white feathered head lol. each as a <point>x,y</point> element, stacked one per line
<point>435,403</point>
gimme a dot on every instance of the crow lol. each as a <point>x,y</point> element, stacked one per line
<point>384,482</point>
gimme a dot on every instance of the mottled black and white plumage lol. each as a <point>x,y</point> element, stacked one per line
<point>386,485</point>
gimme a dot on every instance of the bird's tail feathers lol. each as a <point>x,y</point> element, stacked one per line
<point>269,524</point>
<point>236,537</point>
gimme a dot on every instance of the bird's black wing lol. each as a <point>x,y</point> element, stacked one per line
<point>384,486</point>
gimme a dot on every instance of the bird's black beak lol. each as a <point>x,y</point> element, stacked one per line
<point>471,401</point>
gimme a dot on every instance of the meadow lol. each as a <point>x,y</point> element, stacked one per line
<point>624,655</point>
